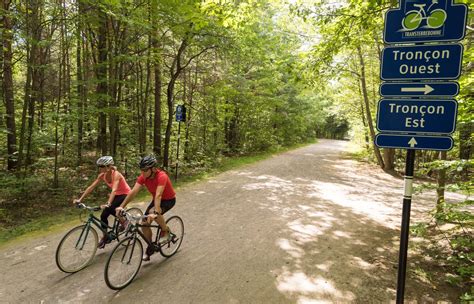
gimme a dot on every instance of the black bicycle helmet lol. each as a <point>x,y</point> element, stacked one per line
<point>148,161</point>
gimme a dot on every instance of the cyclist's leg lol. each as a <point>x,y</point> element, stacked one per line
<point>146,229</point>
<point>166,205</point>
<point>118,199</point>
<point>104,224</point>
<point>104,217</point>
<point>147,233</point>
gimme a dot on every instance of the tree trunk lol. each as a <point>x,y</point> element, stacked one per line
<point>389,159</point>
<point>156,51</point>
<point>35,61</point>
<point>189,112</point>
<point>170,102</point>
<point>367,107</point>
<point>26,103</point>
<point>114,46</point>
<point>80,85</point>
<point>142,108</point>
<point>8,86</point>
<point>101,89</point>
<point>465,144</point>
<point>157,116</point>
<point>176,70</point>
<point>147,89</point>
<point>362,115</point>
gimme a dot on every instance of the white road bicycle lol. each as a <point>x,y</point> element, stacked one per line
<point>125,259</point>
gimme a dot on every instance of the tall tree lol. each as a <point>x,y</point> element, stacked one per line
<point>80,86</point>
<point>7,37</point>
<point>156,53</point>
<point>101,75</point>
<point>367,106</point>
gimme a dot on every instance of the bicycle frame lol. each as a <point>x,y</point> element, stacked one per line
<point>93,220</point>
<point>140,233</point>
<point>135,231</point>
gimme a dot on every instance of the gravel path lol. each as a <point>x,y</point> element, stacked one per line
<point>306,226</point>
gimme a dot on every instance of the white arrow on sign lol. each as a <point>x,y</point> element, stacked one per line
<point>425,90</point>
<point>412,142</point>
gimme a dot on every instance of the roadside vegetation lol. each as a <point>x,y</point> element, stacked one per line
<point>81,78</point>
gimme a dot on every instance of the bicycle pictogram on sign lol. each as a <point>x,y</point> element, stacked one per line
<point>432,17</point>
<point>425,21</point>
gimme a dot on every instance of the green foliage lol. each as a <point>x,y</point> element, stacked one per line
<point>457,172</point>
<point>454,223</point>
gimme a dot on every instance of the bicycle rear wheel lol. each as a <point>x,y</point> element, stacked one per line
<point>412,20</point>
<point>76,249</point>
<point>176,226</point>
<point>123,263</point>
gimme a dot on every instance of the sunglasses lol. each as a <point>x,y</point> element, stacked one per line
<point>101,166</point>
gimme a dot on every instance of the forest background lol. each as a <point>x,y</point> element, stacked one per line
<point>82,78</point>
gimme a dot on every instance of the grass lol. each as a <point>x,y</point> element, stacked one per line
<point>70,217</point>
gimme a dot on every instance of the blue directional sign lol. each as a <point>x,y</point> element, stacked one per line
<point>419,89</point>
<point>425,21</point>
<point>180,113</point>
<point>417,116</point>
<point>417,142</point>
<point>441,61</point>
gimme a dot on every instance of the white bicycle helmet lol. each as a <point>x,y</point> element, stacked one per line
<point>105,161</point>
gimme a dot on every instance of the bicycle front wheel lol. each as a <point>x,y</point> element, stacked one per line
<point>123,263</point>
<point>76,249</point>
<point>176,226</point>
<point>436,18</point>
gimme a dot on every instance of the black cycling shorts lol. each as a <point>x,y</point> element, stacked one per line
<point>165,206</point>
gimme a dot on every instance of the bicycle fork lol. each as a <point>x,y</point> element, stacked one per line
<point>86,229</point>
<point>126,250</point>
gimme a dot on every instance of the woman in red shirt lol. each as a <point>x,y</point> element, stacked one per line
<point>115,181</point>
<point>163,198</point>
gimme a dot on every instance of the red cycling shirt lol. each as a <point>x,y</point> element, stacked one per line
<point>160,179</point>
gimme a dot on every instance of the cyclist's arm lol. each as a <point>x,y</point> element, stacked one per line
<point>115,184</point>
<point>131,195</point>
<point>157,198</point>
<point>90,188</point>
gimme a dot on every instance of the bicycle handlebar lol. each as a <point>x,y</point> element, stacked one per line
<point>83,206</point>
<point>131,217</point>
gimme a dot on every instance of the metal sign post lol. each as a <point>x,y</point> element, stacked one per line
<point>427,117</point>
<point>177,152</point>
<point>180,116</point>
<point>402,260</point>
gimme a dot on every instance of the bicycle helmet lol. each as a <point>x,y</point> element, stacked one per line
<point>105,161</point>
<point>147,162</point>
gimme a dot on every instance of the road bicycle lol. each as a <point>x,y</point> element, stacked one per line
<point>125,259</point>
<point>78,246</point>
<point>413,18</point>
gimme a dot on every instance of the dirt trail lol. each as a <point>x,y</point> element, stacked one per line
<point>305,226</point>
